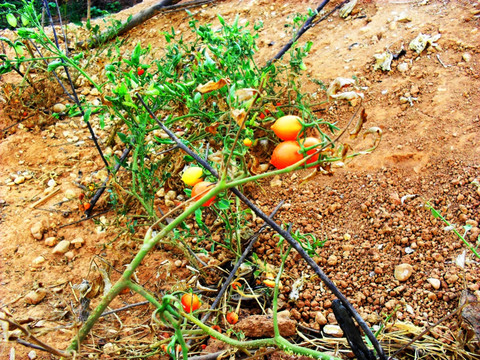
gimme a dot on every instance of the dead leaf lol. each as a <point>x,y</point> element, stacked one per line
<point>212,86</point>
<point>239,117</point>
<point>361,120</point>
<point>471,311</point>
<point>212,129</point>
<point>245,94</point>
<point>270,108</point>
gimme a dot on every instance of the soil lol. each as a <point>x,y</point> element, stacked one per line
<point>371,212</point>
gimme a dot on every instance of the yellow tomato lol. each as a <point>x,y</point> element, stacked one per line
<point>287,127</point>
<point>192,176</point>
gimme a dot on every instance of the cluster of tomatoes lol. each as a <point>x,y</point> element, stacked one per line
<point>287,153</point>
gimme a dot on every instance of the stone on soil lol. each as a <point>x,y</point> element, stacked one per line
<point>320,318</point>
<point>51,241</point>
<point>37,230</point>
<point>62,247</point>
<point>403,272</point>
<point>59,108</point>
<point>333,330</point>
<point>35,296</point>
<point>78,242</point>
<point>257,326</point>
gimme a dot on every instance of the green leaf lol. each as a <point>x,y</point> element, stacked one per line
<point>188,158</point>
<point>86,117</point>
<point>12,20</point>
<point>223,204</point>
<point>122,137</point>
<point>54,65</point>
<point>25,20</point>
<point>136,54</point>
<point>221,19</point>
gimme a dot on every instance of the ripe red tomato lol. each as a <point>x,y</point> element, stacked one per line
<point>190,302</point>
<point>140,71</point>
<point>232,318</point>
<point>285,154</point>
<point>310,141</point>
<point>201,187</point>
<point>287,127</point>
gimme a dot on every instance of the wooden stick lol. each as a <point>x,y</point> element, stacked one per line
<point>42,200</point>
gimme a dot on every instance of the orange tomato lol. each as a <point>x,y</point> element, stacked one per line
<point>190,302</point>
<point>310,141</point>
<point>201,187</point>
<point>232,318</point>
<point>286,154</point>
<point>236,285</point>
<point>247,142</point>
<point>287,127</point>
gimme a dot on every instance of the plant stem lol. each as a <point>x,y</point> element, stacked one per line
<point>148,244</point>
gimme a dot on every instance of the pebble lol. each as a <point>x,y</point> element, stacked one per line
<point>276,181</point>
<point>170,195</point>
<point>452,279</point>
<point>333,330</point>
<point>178,263</point>
<point>51,183</point>
<point>70,194</point>
<point>59,108</point>
<point>69,255</point>
<point>38,260</point>
<point>403,272</point>
<point>320,318</point>
<point>332,260</point>
<point>32,355</point>
<point>34,297</point>
<point>37,230</point>
<point>62,247</point>
<point>78,242</point>
<point>51,241</point>
<point>19,180</point>
<point>467,57</point>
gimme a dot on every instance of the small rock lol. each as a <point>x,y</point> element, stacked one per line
<point>35,296</point>
<point>320,318</point>
<point>32,355</point>
<point>170,195</point>
<point>37,230</point>
<point>403,272</point>
<point>62,247</point>
<point>69,255</point>
<point>259,326</point>
<point>19,180</point>
<point>332,260</point>
<point>452,279</point>
<point>38,261</point>
<point>333,330</point>
<point>178,263</point>
<point>414,90</point>
<point>78,242</point>
<point>347,236</point>
<point>51,241</point>
<point>94,92</point>
<point>276,181</point>
<point>467,57</point>
<point>70,194</point>
<point>435,283</point>
<point>59,108</point>
<point>51,183</point>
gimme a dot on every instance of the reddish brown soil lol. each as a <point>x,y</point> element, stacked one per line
<point>372,211</point>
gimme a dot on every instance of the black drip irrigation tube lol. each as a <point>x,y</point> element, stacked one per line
<point>74,93</point>
<point>286,235</point>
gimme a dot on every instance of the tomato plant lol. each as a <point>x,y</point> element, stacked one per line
<point>285,154</point>
<point>190,302</point>
<point>287,127</point>
<point>200,188</point>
